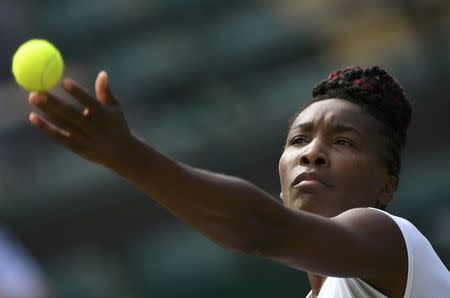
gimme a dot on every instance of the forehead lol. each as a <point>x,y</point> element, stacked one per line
<point>334,111</point>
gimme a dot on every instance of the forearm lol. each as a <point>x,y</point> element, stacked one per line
<point>226,209</point>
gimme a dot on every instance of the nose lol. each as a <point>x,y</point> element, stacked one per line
<point>313,155</point>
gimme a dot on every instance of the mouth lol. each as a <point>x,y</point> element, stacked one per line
<point>310,178</point>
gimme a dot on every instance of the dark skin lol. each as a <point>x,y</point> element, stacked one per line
<point>323,226</point>
<point>345,146</point>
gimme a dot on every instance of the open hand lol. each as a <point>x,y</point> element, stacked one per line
<point>98,133</point>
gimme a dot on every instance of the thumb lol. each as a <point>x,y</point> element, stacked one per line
<point>102,91</point>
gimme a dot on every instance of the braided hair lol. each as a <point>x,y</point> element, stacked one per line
<point>380,95</point>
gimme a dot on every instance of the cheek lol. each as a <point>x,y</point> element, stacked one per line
<point>282,168</point>
<point>356,172</point>
<point>286,163</point>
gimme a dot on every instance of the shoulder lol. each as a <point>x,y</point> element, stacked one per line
<point>381,238</point>
<point>426,274</point>
<point>376,231</point>
<point>376,228</point>
<point>369,219</point>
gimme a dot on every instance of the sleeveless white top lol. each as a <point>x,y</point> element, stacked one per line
<point>427,275</point>
<point>335,287</point>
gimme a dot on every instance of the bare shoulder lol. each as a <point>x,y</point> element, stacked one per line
<point>373,227</point>
<point>368,219</point>
<point>384,245</point>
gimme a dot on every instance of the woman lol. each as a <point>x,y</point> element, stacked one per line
<point>338,171</point>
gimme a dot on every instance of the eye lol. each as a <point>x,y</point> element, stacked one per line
<point>298,140</point>
<point>344,142</point>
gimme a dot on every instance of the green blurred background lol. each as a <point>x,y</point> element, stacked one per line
<point>212,83</point>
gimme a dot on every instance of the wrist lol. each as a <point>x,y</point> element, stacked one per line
<point>127,155</point>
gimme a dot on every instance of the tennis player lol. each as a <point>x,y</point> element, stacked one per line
<point>338,172</point>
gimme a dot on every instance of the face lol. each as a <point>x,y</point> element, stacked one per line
<point>333,160</point>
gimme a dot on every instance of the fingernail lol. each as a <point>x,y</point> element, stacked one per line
<point>67,85</point>
<point>32,98</point>
<point>105,74</point>
<point>39,98</point>
<point>33,118</point>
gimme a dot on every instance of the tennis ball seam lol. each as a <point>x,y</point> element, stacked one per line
<point>47,64</point>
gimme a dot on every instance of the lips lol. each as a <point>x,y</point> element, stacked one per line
<point>311,176</point>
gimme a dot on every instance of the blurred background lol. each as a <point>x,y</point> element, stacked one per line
<point>212,83</point>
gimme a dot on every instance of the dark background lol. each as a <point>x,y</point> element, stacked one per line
<point>212,83</point>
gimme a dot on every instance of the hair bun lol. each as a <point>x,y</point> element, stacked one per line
<point>379,94</point>
<point>372,87</point>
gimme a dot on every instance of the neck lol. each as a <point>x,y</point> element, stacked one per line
<point>315,282</point>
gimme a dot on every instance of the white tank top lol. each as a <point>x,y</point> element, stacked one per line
<point>427,275</point>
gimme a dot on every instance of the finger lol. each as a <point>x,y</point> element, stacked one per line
<point>62,124</point>
<point>80,94</point>
<point>51,105</point>
<point>102,90</point>
<point>59,113</point>
<point>63,137</point>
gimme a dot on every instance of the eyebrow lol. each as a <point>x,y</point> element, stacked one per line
<point>340,128</point>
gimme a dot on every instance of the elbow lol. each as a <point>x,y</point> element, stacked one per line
<point>256,248</point>
<point>261,231</point>
<point>251,249</point>
<point>238,236</point>
<point>244,246</point>
<point>252,240</point>
<point>240,240</point>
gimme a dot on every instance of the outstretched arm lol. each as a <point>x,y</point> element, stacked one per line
<point>220,206</point>
<point>231,211</point>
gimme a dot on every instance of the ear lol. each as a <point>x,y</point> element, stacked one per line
<point>388,190</point>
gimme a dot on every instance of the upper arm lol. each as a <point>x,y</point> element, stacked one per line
<point>359,242</point>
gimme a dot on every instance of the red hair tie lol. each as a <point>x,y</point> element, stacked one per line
<point>332,75</point>
<point>363,83</point>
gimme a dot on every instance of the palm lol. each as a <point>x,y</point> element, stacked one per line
<point>97,133</point>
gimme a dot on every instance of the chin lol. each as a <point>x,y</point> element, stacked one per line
<point>306,204</point>
<point>311,205</point>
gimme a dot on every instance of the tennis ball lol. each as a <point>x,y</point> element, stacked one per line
<point>37,65</point>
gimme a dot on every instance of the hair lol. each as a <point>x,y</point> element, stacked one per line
<point>378,93</point>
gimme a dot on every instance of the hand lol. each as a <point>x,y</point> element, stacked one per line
<point>98,133</point>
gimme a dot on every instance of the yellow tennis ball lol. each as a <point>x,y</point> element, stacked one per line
<point>37,65</point>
